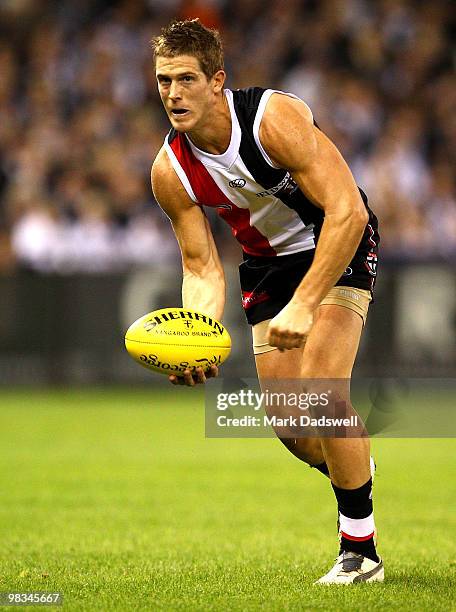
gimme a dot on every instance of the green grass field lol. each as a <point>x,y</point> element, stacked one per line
<point>116,499</point>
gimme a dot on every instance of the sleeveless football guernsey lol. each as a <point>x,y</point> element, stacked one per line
<point>268,213</point>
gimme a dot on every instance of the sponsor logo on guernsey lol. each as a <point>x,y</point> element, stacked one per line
<point>224,207</point>
<point>186,315</point>
<point>239,183</point>
<point>287,186</point>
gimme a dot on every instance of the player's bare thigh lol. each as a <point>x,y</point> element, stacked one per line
<point>333,343</point>
<point>330,352</point>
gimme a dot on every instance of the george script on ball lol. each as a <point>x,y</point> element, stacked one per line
<point>172,340</point>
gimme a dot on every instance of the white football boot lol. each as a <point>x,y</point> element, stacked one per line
<point>352,568</point>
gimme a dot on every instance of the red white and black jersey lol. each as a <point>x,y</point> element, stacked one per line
<point>268,213</point>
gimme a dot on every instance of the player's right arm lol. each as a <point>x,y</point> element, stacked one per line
<point>203,284</point>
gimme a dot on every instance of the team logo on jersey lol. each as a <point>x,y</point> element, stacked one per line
<point>239,183</point>
<point>286,186</point>
<point>371,263</point>
<point>224,207</point>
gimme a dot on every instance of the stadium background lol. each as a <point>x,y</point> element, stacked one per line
<point>84,249</point>
<point>111,493</point>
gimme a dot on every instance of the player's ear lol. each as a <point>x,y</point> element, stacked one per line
<point>218,80</point>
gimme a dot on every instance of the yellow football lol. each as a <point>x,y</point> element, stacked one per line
<point>171,340</point>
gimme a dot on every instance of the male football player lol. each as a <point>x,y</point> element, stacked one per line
<point>309,242</point>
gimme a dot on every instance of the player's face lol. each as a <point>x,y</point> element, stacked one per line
<point>187,94</point>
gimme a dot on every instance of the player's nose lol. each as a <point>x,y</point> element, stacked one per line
<point>174,91</point>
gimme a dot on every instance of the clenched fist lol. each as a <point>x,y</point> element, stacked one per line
<point>290,328</point>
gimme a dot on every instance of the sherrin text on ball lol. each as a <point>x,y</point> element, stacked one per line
<point>172,340</point>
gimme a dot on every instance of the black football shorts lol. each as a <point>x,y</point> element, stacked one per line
<point>268,283</point>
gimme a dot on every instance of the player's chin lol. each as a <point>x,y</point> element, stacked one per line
<point>182,123</point>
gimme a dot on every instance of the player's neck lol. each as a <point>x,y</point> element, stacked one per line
<point>214,135</point>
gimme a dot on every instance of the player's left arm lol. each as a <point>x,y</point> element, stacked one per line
<point>291,140</point>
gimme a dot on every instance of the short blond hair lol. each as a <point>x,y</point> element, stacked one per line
<point>191,37</point>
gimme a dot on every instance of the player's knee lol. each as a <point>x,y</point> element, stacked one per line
<point>313,372</point>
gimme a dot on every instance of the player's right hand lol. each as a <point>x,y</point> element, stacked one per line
<point>198,378</point>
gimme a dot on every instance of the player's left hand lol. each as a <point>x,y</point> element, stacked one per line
<point>290,328</point>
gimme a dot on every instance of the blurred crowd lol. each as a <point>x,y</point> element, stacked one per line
<point>81,120</point>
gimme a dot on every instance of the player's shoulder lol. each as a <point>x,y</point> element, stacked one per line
<point>287,130</point>
<point>161,166</point>
<point>162,173</point>
<point>166,186</point>
<point>284,107</point>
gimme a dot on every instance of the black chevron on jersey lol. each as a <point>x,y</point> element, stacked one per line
<point>246,103</point>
